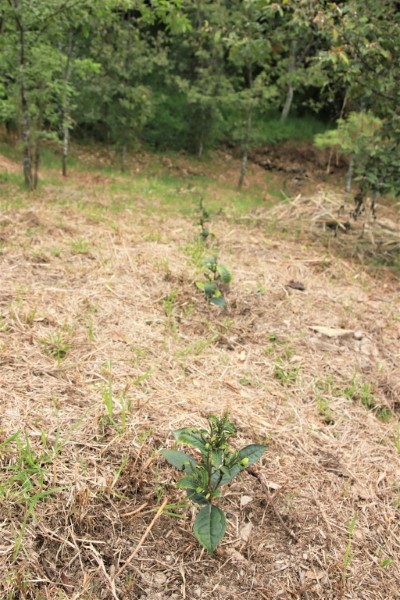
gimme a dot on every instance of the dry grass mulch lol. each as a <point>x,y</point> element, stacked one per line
<point>93,310</point>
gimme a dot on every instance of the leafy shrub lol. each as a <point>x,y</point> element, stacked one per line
<point>217,466</point>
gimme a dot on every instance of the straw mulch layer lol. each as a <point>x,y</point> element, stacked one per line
<point>305,357</point>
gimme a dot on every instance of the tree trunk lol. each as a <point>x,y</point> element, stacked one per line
<point>247,135</point>
<point>66,109</point>
<point>201,144</point>
<point>65,150</point>
<point>26,138</point>
<point>288,103</point>
<point>25,120</point>
<point>349,175</point>
<point>245,151</point>
<point>122,156</point>
<point>36,162</point>
<point>290,91</point>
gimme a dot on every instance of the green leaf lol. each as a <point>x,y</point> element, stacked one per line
<point>228,474</point>
<point>210,288</point>
<point>211,263</point>
<point>194,496</point>
<point>218,301</point>
<point>224,275</point>
<point>187,482</point>
<point>246,457</point>
<point>200,285</point>
<point>216,458</point>
<point>178,459</point>
<point>190,437</point>
<point>253,453</point>
<point>209,527</point>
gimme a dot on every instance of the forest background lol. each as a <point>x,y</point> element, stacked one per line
<point>192,75</point>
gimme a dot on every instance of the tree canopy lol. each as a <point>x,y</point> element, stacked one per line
<point>191,74</point>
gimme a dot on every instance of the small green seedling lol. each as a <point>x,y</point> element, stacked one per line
<point>216,276</point>
<point>204,219</point>
<point>203,478</point>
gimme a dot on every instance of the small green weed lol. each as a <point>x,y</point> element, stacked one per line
<point>397,439</point>
<point>198,347</point>
<point>80,246</point>
<point>57,345</point>
<point>90,333</point>
<point>363,392</point>
<point>154,236</point>
<point>324,409</point>
<point>216,278</point>
<point>246,380</point>
<point>217,466</point>
<point>284,373</point>
<point>138,355</point>
<point>56,251</point>
<point>383,413</point>
<point>169,303</point>
<point>142,378</point>
<point>29,475</point>
<point>347,558</point>
<point>111,401</point>
<point>386,562</point>
<point>30,316</point>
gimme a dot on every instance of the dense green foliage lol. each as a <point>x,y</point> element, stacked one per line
<point>192,74</point>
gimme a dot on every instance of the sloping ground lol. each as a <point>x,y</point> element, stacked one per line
<point>8,166</point>
<point>99,307</point>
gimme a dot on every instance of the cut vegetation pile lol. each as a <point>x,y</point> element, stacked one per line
<point>106,346</point>
<point>372,233</point>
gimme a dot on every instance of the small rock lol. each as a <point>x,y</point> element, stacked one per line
<point>245,532</point>
<point>332,332</point>
<point>358,335</point>
<point>245,500</point>
<point>368,348</point>
<point>159,578</point>
<point>325,345</point>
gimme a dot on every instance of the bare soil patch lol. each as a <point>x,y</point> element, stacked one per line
<point>313,372</point>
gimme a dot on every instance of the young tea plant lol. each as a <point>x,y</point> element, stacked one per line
<point>216,277</point>
<point>217,465</point>
<point>204,220</point>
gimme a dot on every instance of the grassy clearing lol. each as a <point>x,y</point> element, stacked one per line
<point>106,346</point>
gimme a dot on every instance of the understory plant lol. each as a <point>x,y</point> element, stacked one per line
<point>216,277</point>
<point>216,466</point>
